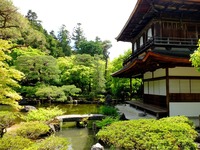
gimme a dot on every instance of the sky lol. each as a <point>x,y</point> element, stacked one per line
<point>102,18</point>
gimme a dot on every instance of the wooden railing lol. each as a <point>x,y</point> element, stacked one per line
<point>176,42</point>
<point>167,42</point>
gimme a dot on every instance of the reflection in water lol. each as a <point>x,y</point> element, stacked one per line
<point>80,138</point>
<point>79,109</point>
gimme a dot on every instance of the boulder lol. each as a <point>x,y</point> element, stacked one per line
<point>28,108</point>
<point>97,146</point>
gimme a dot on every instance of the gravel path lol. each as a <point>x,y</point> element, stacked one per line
<point>132,113</point>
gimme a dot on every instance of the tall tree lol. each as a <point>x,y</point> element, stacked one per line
<point>84,71</point>
<point>64,39</point>
<point>106,46</point>
<point>90,47</point>
<point>98,84</point>
<point>38,69</point>
<point>32,16</point>
<point>33,19</point>
<point>16,28</point>
<point>7,14</point>
<point>10,20</point>
<point>78,36</point>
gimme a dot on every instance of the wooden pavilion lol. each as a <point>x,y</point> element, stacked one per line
<point>163,34</point>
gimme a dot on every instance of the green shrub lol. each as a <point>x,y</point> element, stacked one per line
<point>50,143</point>
<point>42,114</point>
<point>167,134</point>
<point>8,108</point>
<point>8,118</point>
<point>106,121</point>
<point>32,130</point>
<point>9,142</point>
<point>178,119</point>
<point>109,111</point>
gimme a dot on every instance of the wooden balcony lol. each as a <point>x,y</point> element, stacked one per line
<point>165,42</point>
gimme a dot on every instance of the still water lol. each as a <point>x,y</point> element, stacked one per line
<point>80,138</point>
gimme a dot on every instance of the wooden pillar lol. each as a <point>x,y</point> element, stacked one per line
<point>131,88</point>
<point>167,89</point>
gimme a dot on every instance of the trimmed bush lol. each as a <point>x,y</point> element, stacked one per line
<point>169,133</point>
<point>32,130</point>
<point>9,142</point>
<point>106,121</point>
<point>50,143</point>
<point>43,114</point>
<point>8,118</point>
<point>109,111</point>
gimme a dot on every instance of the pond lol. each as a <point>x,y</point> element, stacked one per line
<point>80,138</point>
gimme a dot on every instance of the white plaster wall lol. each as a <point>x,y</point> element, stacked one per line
<point>179,86</point>
<point>148,75</point>
<point>146,88</point>
<point>184,86</point>
<point>155,87</point>
<point>174,86</point>
<point>159,73</point>
<point>195,86</point>
<point>151,87</point>
<point>183,71</point>
<point>187,109</point>
<point>162,87</point>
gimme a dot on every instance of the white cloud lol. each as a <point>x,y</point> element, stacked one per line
<point>102,18</point>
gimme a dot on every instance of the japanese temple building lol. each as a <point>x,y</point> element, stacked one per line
<point>163,34</point>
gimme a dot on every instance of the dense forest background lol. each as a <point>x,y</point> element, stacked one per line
<point>37,65</point>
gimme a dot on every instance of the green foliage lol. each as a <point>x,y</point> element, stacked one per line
<point>78,36</point>
<point>123,84</point>
<point>25,51</point>
<point>90,47</point>
<point>50,143</point>
<point>32,130</point>
<point>195,58</point>
<point>80,76</point>
<point>28,91</point>
<point>10,20</point>
<point>168,133</point>
<point>177,119</point>
<point>64,41</point>
<point>53,93</point>
<point>10,142</point>
<point>109,111</point>
<point>8,118</point>
<point>106,121</point>
<point>83,71</point>
<point>70,90</point>
<point>98,76</point>
<point>42,114</point>
<point>38,68</point>
<point>9,77</point>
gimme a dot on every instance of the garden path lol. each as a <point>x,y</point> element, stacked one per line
<point>132,113</point>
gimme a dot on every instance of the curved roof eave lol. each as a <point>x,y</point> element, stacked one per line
<point>136,8</point>
<point>127,22</point>
<point>144,64</point>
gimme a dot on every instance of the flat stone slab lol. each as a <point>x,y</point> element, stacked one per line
<point>77,117</point>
